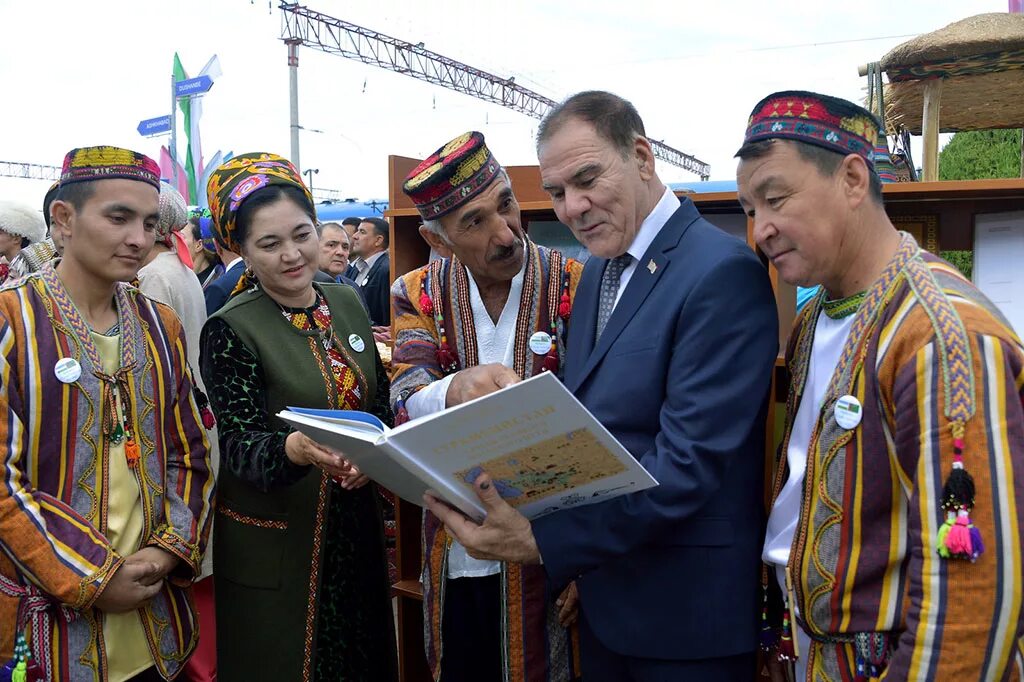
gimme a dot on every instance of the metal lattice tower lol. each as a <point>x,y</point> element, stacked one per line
<point>29,171</point>
<point>334,36</point>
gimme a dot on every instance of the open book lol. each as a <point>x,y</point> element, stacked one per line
<point>542,448</point>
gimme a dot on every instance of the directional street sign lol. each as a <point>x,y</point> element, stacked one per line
<point>155,126</point>
<point>193,86</point>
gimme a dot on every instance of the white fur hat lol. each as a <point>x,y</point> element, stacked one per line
<point>21,220</point>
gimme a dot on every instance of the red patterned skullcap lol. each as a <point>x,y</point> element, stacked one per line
<point>829,122</point>
<point>451,176</point>
<point>107,163</point>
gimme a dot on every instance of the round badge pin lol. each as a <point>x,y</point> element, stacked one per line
<point>356,342</point>
<point>67,370</point>
<point>540,343</point>
<point>848,412</point>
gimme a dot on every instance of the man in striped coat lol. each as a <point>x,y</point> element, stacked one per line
<point>105,488</point>
<point>895,532</point>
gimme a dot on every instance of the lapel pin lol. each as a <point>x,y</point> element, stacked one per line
<point>652,266</point>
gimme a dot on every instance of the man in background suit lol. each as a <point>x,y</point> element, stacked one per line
<point>219,291</point>
<point>673,340</point>
<point>370,243</point>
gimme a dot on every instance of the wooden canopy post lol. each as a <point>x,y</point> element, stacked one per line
<point>930,128</point>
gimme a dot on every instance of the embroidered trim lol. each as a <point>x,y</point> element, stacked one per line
<point>314,578</point>
<point>951,338</point>
<point>251,520</point>
<point>825,453</point>
<point>843,307</point>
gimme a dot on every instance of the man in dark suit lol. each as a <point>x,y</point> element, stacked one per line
<point>370,244</point>
<point>219,291</point>
<point>673,337</point>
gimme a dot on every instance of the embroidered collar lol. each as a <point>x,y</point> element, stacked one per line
<point>839,308</point>
<point>68,313</point>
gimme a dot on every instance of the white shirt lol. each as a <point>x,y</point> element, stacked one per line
<point>495,343</point>
<point>649,229</point>
<point>364,267</point>
<point>236,261</point>
<point>829,338</point>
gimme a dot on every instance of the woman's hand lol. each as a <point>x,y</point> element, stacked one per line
<point>304,451</point>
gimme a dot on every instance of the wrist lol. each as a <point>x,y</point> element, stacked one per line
<point>451,393</point>
<point>293,449</point>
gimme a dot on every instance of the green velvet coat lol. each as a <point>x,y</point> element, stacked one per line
<point>301,576</point>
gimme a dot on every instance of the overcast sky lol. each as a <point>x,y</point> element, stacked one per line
<point>84,73</point>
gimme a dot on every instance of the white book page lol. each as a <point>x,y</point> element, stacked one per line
<point>374,456</point>
<point>543,449</point>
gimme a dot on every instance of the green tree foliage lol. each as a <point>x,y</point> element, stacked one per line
<point>978,154</point>
<point>963,260</point>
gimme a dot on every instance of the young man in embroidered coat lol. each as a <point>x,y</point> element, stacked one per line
<point>672,343</point>
<point>106,491</point>
<point>900,481</point>
<point>493,311</point>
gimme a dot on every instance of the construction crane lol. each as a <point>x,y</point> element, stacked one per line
<point>29,171</point>
<point>303,26</point>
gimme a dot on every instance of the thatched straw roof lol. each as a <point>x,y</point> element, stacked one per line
<point>981,62</point>
<point>971,36</point>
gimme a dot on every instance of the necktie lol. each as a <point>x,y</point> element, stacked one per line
<point>609,289</point>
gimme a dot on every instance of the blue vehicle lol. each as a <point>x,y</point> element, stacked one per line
<point>337,210</point>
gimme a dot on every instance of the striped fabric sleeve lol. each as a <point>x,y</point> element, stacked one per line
<point>51,546</point>
<point>962,619</point>
<point>414,358</point>
<point>189,482</point>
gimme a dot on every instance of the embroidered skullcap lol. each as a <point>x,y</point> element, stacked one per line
<point>173,211</point>
<point>828,122</point>
<point>207,235</point>
<point>237,179</point>
<point>22,221</point>
<point>451,176</point>
<point>106,163</point>
<point>51,194</point>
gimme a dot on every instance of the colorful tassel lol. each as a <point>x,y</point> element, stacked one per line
<point>944,529</point>
<point>426,305</point>
<point>445,359</point>
<point>209,421</point>
<point>564,307</point>
<point>977,545</point>
<point>131,451</point>
<point>20,673</point>
<point>958,538</point>
<point>787,652</point>
<point>551,360</point>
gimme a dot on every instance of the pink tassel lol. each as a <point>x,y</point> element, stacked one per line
<point>426,305</point>
<point>959,539</point>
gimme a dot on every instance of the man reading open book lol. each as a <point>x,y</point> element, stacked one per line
<point>493,310</point>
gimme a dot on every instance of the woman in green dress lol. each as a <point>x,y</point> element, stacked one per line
<point>302,591</point>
